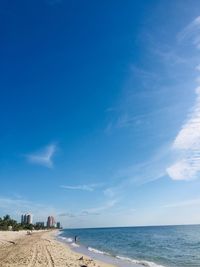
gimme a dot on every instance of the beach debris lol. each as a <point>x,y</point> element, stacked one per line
<point>81,258</point>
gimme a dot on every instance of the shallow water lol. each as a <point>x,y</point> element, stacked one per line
<point>170,246</point>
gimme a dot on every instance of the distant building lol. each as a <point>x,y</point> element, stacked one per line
<point>51,222</point>
<point>27,218</point>
<point>58,225</point>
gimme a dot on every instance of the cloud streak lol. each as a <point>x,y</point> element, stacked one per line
<point>44,157</point>
<point>187,142</point>
<point>67,214</point>
<point>187,145</point>
<point>84,187</point>
<point>91,211</point>
<point>109,204</point>
<point>147,171</point>
<point>190,202</point>
<point>191,32</point>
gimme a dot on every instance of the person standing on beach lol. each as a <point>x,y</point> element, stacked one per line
<point>75,238</point>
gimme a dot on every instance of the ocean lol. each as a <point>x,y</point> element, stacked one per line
<point>153,246</point>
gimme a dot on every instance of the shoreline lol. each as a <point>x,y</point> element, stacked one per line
<point>49,248</point>
<point>97,255</point>
<point>17,249</point>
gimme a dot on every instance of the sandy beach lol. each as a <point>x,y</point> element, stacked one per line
<point>39,249</point>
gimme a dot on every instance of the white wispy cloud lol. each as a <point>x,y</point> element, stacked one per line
<point>91,211</point>
<point>187,145</point>
<point>82,213</point>
<point>129,120</point>
<point>169,56</point>
<point>187,142</point>
<point>67,214</point>
<point>84,187</point>
<point>147,171</point>
<point>109,204</point>
<point>143,73</point>
<point>191,32</point>
<point>126,120</point>
<point>111,199</point>
<point>43,157</point>
<point>190,202</point>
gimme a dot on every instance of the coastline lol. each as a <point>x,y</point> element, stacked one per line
<point>49,248</point>
<point>17,249</point>
<point>101,256</point>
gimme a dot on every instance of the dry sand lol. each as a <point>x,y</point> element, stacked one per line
<point>39,250</point>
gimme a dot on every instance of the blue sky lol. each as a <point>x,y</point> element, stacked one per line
<point>100,111</point>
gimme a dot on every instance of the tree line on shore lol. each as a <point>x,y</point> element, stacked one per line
<point>7,223</point>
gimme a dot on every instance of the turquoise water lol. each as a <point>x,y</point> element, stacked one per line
<point>170,246</point>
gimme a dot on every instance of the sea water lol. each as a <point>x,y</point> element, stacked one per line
<point>168,246</point>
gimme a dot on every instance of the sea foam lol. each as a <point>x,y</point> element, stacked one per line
<point>75,245</point>
<point>97,251</point>
<point>140,262</point>
<point>69,240</point>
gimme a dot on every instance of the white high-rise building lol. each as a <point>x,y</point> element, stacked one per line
<point>27,218</point>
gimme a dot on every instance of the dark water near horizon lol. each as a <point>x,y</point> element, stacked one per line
<point>170,246</point>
